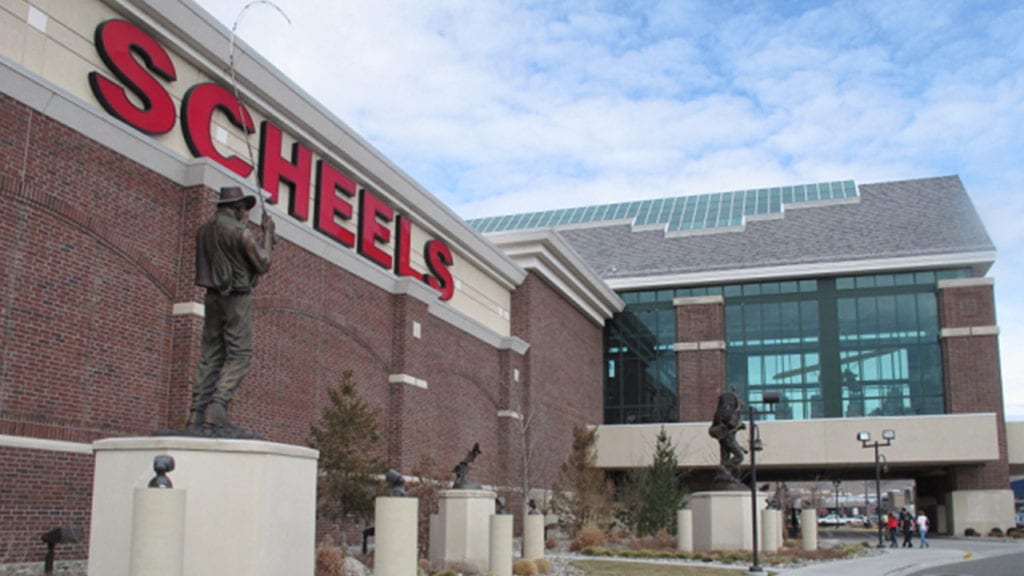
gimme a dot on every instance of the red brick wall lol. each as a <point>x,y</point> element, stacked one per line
<point>562,378</point>
<point>700,373</point>
<point>96,250</point>
<point>40,491</point>
<point>973,381</point>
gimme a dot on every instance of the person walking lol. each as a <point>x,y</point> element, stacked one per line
<point>922,529</point>
<point>892,524</point>
<point>907,526</point>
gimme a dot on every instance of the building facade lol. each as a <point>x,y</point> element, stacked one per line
<point>118,124</point>
<point>864,307</point>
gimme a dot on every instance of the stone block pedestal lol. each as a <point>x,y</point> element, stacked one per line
<point>464,527</point>
<point>722,520</point>
<point>250,505</point>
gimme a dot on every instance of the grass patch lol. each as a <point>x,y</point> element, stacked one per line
<point>613,568</point>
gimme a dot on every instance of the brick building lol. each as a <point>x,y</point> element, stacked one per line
<point>118,124</point>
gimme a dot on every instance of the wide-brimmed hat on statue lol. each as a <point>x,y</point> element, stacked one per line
<point>232,194</point>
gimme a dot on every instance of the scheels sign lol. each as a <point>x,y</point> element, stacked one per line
<point>334,191</point>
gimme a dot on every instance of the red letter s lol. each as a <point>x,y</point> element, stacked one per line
<point>439,258</point>
<point>116,40</point>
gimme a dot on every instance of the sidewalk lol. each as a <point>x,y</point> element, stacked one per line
<point>897,561</point>
<point>886,562</point>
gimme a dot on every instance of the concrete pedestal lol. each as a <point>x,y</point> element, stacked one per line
<point>684,530</point>
<point>809,529</point>
<point>464,517</point>
<point>250,505</point>
<point>500,563</point>
<point>723,521</point>
<point>396,524</point>
<point>533,536</point>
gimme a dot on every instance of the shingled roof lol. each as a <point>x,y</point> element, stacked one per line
<point>892,225</point>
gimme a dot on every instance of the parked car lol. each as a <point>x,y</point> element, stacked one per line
<point>833,520</point>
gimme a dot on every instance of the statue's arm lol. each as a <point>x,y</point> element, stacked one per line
<point>258,255</point>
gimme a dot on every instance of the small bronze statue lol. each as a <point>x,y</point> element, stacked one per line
<point>728,420</point>
<point>462,469</point>
<point>533,508</point>
<point>499,505</point>
<point>395,482</point>
<point>162,464</point>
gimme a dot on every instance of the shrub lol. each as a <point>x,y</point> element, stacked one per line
<point>543,565</point>
<point>970,532</point>
<point>524,567</point>
<point>996,532</point>
<point>550,544</point>
<point>330,559</point>
<point>589,537</point>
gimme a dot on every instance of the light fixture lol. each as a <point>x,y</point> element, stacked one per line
<point>865,442</point>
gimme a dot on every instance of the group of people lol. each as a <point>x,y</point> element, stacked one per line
<point>907,524</point>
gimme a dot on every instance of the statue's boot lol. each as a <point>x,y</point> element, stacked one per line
<point>196,419</point>
<point>216,416</point>
<point>218,425</point>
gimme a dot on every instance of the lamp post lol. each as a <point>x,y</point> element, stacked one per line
<point>865,441</point>
<point>770,398</point>
<point>835,489</point>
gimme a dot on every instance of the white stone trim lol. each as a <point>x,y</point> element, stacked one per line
<point>695,300</point>
<point>407,379</point>
<point>188,309</point>
<point>695,346</point>
<point>547,254</point>
<point>967,331</point>
<point>29,443</point>
<point>965,282</point>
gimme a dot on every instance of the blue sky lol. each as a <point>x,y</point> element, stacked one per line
<point>500,107</point>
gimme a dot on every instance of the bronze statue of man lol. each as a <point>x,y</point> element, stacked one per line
<point>727,421</point>
<point>229,261</point>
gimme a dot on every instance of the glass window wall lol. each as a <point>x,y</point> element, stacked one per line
<point>833,347</point>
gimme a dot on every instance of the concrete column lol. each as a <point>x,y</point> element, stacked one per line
<point>158,532</point>
<point>500,562</point>
<point>684,530</point>
<point>809,529</point>
<point>395,520</point>
<point>771,530</point>
<point>533,536</point>
<point>435,546</point>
